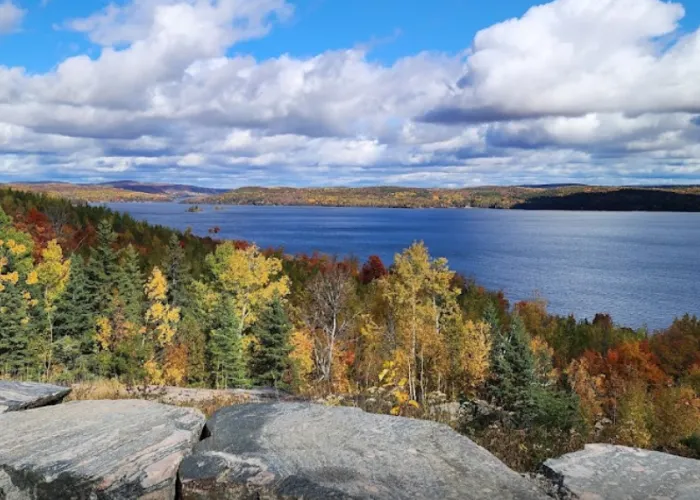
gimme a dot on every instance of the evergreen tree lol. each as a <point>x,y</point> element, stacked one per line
<point>178,273</point>
<point>74,318</point>
<point>14,331</point>
<point>130,285</point>
<point>226,348</point>
<point>103,271</point>
<point>270,358</point>
<point>491,318</point>
<point>512,368</point>
<point>15,297</point>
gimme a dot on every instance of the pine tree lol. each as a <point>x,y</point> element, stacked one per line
<point>270,358</point>
<point>103,271</point>
<point>512,368</point>
<point>14,333</point>
<point>16,277</point>
<point>491,318</point>
<point>225,347</point>
<point>130,285</point>
<point>178,273</point>
<point>74,317</point>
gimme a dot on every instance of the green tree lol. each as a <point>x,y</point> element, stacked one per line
<point>226,347</point>
<point>16,278</point>
<point>512,368</point>
<point>177,271</point>
<point>103,272</point>
<point>130,285</point>
<point>270,355</point>
<point>74,318</point>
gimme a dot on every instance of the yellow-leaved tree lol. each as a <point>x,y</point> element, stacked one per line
<point>421,297</point>
<point>302,358</point>
<point>52,275</point>
<point>161,322</point>
<point>471,356</point>
<point>250,278</point>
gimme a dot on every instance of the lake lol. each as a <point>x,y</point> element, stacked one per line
<point>642,268</point>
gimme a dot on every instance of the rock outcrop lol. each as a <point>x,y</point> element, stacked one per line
<point>295,450</point>
<point>123,449</point>
<point>15,396</point>
<point>608,472</point>
<point>194,396</point>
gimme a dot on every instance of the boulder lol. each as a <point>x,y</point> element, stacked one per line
<point>602,471</point>
<point>15,396</point>
<point>302,450</point>
<point>123,449</point>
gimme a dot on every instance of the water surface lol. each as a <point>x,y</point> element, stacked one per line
<point>643,268</point>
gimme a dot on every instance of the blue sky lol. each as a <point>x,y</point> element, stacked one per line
<point>321,92</point>
<point>393,28</point>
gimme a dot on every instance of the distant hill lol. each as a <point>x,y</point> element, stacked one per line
<point>86,192</point>
<point>173,190</point>
<point>542,197</point>
<point>621,200</point>
<point>116,191</point>
<point>546,197</point>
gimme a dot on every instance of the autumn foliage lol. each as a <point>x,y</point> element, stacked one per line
<point>88,294</point>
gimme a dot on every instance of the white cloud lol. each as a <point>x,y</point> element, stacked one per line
<point>576,57</point>
<point>593,90</point>
<point>10,17</point>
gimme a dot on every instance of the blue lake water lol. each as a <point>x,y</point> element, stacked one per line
<point>642,268</point>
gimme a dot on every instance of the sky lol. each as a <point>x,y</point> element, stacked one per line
<point>448,93</point>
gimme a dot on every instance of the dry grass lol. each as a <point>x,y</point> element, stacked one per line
<point>99,389</point>
<point>210,406</point>
<point>206,400</point>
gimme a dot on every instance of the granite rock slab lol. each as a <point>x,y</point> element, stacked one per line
<point>301,450</point>
<point>609,472</point>
<point>15,396</point>
<point>124,449</point>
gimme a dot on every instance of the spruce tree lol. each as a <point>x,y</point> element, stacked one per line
<point>270,358</point>
<point>130,286</point>
<point>103,271</point>
<point>512,368</point>
<point>14,331</point>
<point>15,266</point>
<point>226,348</point>
<point>491,318</point>
<point>178,273</point>
<point>74,317</point>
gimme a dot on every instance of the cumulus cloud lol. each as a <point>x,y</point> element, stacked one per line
<point>10,17</point>
<point>574,90</point>
<point>575,57</point>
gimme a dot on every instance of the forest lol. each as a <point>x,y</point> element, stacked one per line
<point>89,294</point>
<point>548,197</point>
<point>563,197</point>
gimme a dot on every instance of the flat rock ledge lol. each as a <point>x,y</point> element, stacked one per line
<point>15,396</point>
<point>608,472</point>
<point>125,449</point>
<point>300,450</point>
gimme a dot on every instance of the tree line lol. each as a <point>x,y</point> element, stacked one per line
<point>86,293</point>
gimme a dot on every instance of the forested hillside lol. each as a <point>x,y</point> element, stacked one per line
<point>554,197</point>
<point>87,193</point>
<point>89,294</point>
<point>573,197</point>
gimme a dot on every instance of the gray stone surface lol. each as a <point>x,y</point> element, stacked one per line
<point>16,396</point>
<point>607,472</point>
<point>123,449</point>
<point>299,450</point>
<point>192,396</point>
